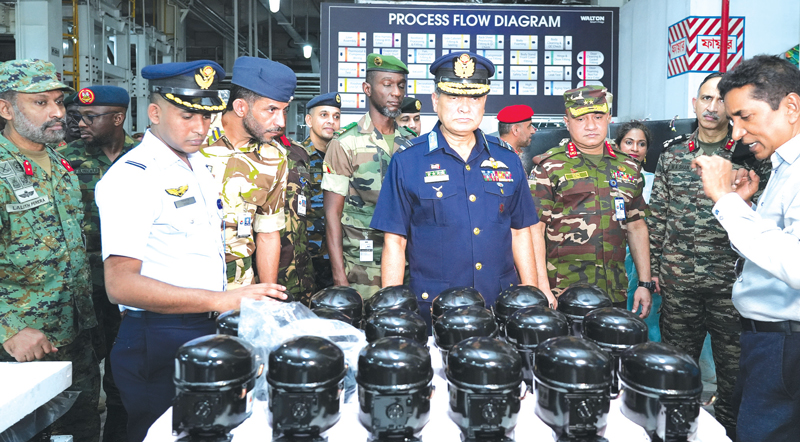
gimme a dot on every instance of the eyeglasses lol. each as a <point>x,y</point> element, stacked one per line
<point>87,119</point>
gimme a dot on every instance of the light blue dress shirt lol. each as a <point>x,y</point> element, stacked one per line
<point>769,239</point>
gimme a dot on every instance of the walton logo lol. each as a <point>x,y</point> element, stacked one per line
<point>593,18</point>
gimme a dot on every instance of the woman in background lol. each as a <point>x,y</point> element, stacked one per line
<point>633,138</point>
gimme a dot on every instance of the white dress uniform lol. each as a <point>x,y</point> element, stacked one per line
<point>156,209</point>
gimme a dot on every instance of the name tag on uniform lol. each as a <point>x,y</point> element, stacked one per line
<point>366,250</point>
<point>88,171</point>
<point>10,208</point>
<point>184,202</point>
<point>301,204</point>
<point>576,176</point>
<point>436,176</point>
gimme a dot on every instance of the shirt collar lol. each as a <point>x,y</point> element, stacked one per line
<point>788,152</point>
<point>441,143</point>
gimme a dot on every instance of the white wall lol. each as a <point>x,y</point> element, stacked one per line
<point>771,27</point>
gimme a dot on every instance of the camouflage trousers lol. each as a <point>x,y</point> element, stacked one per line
<point>364,276</point>
<point>687,314</point>
<point>82,421</point>
<point>240,272</point>
<point>366,279</point>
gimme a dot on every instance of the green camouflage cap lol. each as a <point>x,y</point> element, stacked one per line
<point>385,63</point>
<point>30,76</point>
<point>587,99</point>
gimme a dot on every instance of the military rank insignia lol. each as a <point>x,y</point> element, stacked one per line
<point>497,175</point>
<point>178,191</point>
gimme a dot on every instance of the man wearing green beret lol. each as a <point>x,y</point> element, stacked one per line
<point>355,164</point>
<point>591,207</point>
<point>46,305</point>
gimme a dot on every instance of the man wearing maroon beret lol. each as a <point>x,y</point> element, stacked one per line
<point>515,126</point>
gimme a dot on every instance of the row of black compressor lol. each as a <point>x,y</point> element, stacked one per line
<point>576,359</point>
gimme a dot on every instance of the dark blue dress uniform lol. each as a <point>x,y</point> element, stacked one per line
<point>457,216</point>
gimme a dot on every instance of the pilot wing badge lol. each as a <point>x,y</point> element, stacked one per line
<point>178,191</point>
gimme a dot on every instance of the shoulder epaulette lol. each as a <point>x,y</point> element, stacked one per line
<point>346,128</point>
<point>676,141</point>
<point>135,164</point>
<point>543,156</point>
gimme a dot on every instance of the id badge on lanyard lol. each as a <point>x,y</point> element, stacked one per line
<point>302,202</point>
<point>619,202</point>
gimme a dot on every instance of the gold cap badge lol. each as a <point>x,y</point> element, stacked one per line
<point>378,61</point>
<point>205,77</point>
<point>418,105</point>
<point>464,66</point>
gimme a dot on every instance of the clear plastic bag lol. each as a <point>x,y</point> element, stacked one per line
<point>268,324</point>
<point>40,418</point>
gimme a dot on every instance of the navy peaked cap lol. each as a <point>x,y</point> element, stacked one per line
<point>192,85</point>
<point>265,77</point>
<point>329,99</point>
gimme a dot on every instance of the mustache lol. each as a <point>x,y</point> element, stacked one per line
<point>274,129</point>
<point>54,121</point>
<point>711,114</point>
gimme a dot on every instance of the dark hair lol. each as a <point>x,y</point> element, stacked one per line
<point>504,128</point>
<point>710,76</point>
<point>370,77</point>
<point>241,93</point>
<point>772,79</point>
<point>10,96</point>
<point>629,126</point>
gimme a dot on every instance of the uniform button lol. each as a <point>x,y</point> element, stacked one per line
<point>478,266</point>
<point>476,230</point>
<point>472,198</point>
<point>468,168</point>
<point>425,295</point>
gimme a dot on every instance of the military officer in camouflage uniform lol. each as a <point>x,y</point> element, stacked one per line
<point>295,269</point>
<point>410,115</point>
<point>457,201</point>
<point>355,165</point>
<point>591,206</point>
<point>246,159</point>
<point>323,120</point>
<point>46,305</point>
<point>100,113</point>
<point>690,253</point>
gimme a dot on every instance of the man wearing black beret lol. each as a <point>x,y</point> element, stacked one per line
<point>410,115</point>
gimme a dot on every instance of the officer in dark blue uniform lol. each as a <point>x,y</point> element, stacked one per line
<point>457,200</point>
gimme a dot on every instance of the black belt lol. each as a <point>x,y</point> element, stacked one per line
<point>152,315</point>
<point>787,327</point>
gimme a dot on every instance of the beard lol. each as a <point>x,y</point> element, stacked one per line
<point>387,113</point>
<point>256,130</point>
<point>40,135</point>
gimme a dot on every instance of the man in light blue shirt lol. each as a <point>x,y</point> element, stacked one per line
<point>762,97</point>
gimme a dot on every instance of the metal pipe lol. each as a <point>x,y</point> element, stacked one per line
<point>235,29</point>
<point>723,40</point>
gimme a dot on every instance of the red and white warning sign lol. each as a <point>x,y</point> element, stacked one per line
<point>694,44</point>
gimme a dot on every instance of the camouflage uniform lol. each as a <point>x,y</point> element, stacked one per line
<point>253,179</point>
<point>691,255</point>
<point>317,246</point>
<point>585,241</point>
<point>90,165</point>
<point>45,280</point>
<point>295,269</point>
<point>355,164</point>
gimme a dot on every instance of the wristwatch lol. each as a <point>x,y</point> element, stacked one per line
<point>648,285</point>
